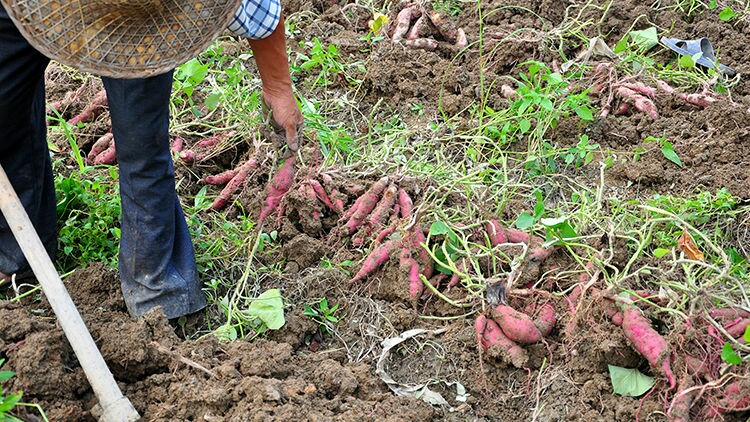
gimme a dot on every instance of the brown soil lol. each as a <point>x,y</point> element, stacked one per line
<point>302,373</point>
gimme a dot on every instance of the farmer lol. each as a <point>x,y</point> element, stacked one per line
<point>134,46</point>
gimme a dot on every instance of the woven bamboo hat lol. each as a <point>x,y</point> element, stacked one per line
<point>121,38</point>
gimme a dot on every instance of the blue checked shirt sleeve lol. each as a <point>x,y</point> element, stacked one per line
<point>256,19</point>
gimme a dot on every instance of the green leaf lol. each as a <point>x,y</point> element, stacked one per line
<point>524,125</point>
<point>212,100</point>
<point>9,403</point>
<point>660,252</point>
<point>525,220</point>
<point>561,226</point>
<point>269,308</point>
<point>686,61</point>
<point>621,45</point>
<point>6,375</point>
<point>437,228</point>
<point>746,336</point>
<point>629,382</point>
<point>729,356</point>
<point>669,153</point>
<point>727,14</point>
<point>646,38</point>
<point>585,113</point>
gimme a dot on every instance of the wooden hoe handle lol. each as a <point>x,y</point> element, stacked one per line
<point>114,406</point>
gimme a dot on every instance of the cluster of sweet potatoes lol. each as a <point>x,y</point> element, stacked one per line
<point>700,384</point>
<point>415,22</point>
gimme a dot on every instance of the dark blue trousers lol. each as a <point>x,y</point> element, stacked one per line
<point>157,263</point>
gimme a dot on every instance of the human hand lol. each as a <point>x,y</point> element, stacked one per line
<point>281,110</point>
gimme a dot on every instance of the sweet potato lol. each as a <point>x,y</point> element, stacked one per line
<point>422,43</point>
<point>107,156</point>
<point>177,144</point>
<point>375,259</point>
<point>409,269</point>
<point>405,203</point>
<point>545,319</point>
<point>730,313</point>
<point>221,178</point>
<point>278,187</point>
<point>455,277</point>
<point>496,232</point>
<point>403,21</point>
<point>384,233</point>
<point>490,336</point>
<point>737,327</point>
<point>679,409</point>
<point>321,194</point>
<point>418,30</point>
<point>99,146</point>
<point>641,102</point>
<point>428,267</point>
<point>443,25</point>
<point>640,88</point>
<point>650,344</point>
<point>379,215</point>
<point>517,326</point>
<point>95,107</point>
<point>222,200</point>
<point>216,139</point>
<point>699,100</point>
<point>517,236</point>
<point>364,205</point>
<point>735,397</point>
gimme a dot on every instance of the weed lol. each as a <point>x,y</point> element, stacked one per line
<point>12,400</point>
<point>327,62</point>
<point>542,99</point>
<point>88,211</point>
<point>323,314</point>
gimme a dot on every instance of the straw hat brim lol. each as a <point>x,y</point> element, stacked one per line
<point>121,38</point>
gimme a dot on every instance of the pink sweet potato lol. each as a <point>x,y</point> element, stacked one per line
<point>545,319</point>
<point>221,178</point>
<point>517,236</point>
<point>650,344</point>
<point>489,336</point>
<point>418,29</point>
<point>234,183</point>
<point>517,326</point>
<point>107,156</point>
<point>321,193</point>
<point>99,146</point>
<point>422,43</point>
<point>428,267</point>
<point>379,215</point>
<point>405,203</point>
<point>363,206</point>
<point>443,25</point>
<point>375,259</point>
<point>641,102</point>
<point>95,107</point>
<point>737,327</point>
<point>216,139</point>
<point>384,233</point>
<point>177,144</point>
<point>403,21</point>
<point>278,187</point>
<point>409,269</point>
<point>730,313</point>
<point>735,397</point>
<point>496,232</point>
